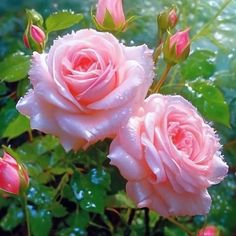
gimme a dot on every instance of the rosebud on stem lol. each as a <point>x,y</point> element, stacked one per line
<point>166,21</point>
<point>110,16</point>
<point>34,36</point>
<point>177,47</point>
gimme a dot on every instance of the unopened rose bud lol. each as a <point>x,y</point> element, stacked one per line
<point>110,15</point>
<point>177,47</point>
<point>13,176</point>
<point>37,34</point>
<point>172,18</point>
<point>209,230</point>
<point>34,38</point>
<point>167,20</point>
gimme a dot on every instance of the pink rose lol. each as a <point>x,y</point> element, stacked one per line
<point>86,87</point>
<point>114,7</point>
<point>169,156</point>
<point>13,176</point>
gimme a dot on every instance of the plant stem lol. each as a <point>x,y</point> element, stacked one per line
<point>130,219</point>
<point>26,214</point>
<point>157,53</point>
<point>146,218</point>
<point>158,85</point>
<point>30,135</point>
<point>99,226</point>
<point>61,184</point>
<point>131,216</point>
<point>181,226</point>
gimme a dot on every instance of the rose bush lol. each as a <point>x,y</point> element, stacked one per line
<point>169,156</point>
<point>86,86</point>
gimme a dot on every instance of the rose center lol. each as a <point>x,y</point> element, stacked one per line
<point>83,64</point>
<point>182,139</point>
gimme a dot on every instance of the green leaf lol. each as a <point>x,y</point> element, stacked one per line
<point>40,221</point>
<point>92,196</point>
<point>17,127</point>
<point>76,231</point>
<point>58,210</point>
<point>120,200</point>
<point>93,200</point>
<point>7,114</point>
<point>78,219</point>
<point>62,20</point>
<point>100,177</point>
<point>233,113</point>
<point>208,99</point>
<point>13,218</point>
<point>15,67</point>
<point>22,87</point>
<point>39,146</point>
<point>174,231</point>
<point>3,89</point>
<point>57,170</point>
<point>200,63</point>
<point>39,194</point>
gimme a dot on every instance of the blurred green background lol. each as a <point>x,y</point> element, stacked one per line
<point>80,194</point>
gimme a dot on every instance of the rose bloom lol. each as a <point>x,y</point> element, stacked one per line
<point>86,87</point>
<point>169,156</point>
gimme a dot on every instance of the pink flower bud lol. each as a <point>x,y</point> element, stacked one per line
<point>37,34</point>
<point>167,19</point>
<point>209,230</point>
<point>34,38</point>
<point>180,41</point>
<point>12,175</point>
<point>114,8</point>
<point>177,47</point>
<point>172,18</point>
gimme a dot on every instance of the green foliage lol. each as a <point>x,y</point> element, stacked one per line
<point>201,63</point>
<point>79,193</point>
<point>40,221</point>
<point>8,114</point>
<point>208,99</point>
<point>14,67</point>
<point>89,189</point>
<point>13,217</point>
<point>17,127</point>
<point>62,20</point>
